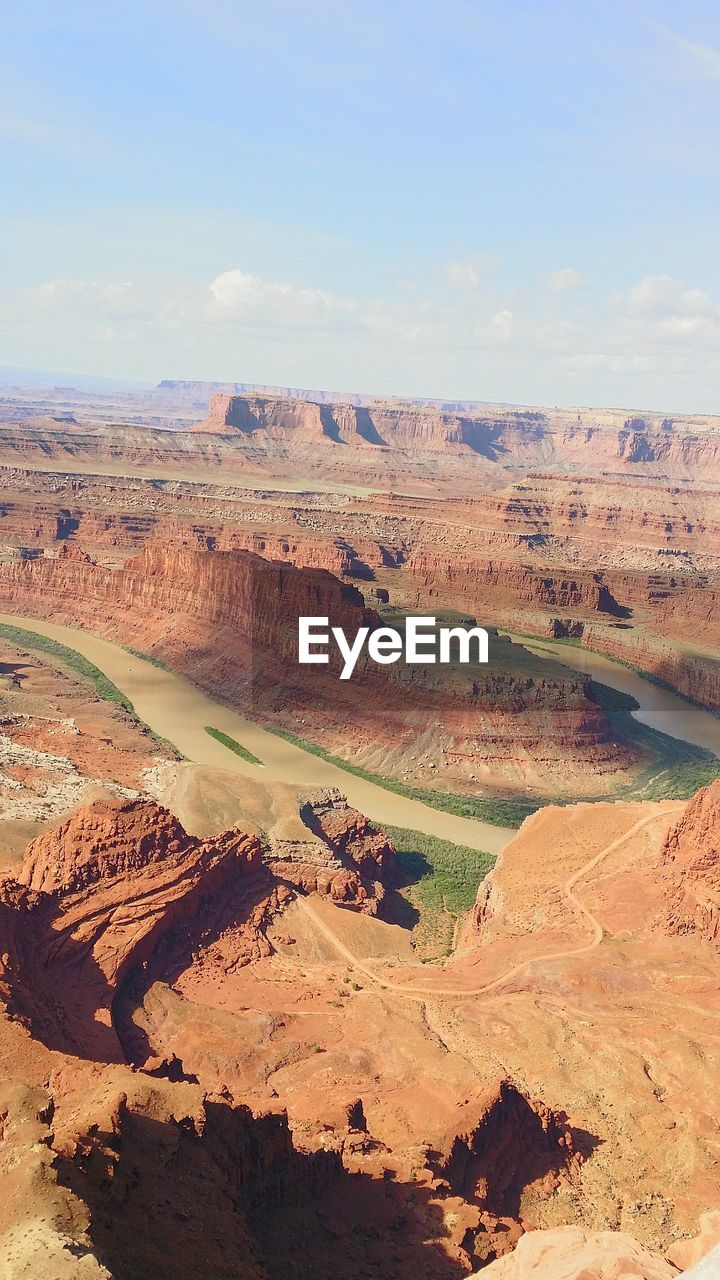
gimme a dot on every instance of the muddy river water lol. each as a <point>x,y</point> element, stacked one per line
<point>178,711</point>
<point>658,708</point>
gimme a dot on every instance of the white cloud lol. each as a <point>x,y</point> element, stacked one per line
<point>695,331</point>
<point>604,362</point>
<point>567,280</point>
<point>658,333</point>
<point>249,299</point>
<point>63,294</point>
<point>470,274</point>
<point>662,295</point>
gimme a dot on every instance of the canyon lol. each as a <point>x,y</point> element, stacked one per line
<point>595,524</point>
<point>278,996</point>
<point>229,620</point>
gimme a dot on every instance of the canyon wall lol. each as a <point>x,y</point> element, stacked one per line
<point>690,868</point>
<point>694,675</point>
<point>527,436</point>
<point>229,619</point>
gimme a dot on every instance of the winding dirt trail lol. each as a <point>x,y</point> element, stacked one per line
<point>423,993</point>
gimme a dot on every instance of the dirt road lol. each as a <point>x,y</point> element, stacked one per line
<point>422,993</point>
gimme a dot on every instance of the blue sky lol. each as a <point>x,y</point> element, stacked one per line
<point>514,201</point>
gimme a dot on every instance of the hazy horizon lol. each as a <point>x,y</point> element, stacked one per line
<point>509,203</point>
<point>44,379</point>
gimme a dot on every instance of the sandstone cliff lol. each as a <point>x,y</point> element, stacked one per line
<point>539,548</point>
<point>229,619</point>
<point>526,435</point>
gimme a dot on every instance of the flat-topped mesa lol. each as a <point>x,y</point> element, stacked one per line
<point>229,413</point>
<point>292,421</point>
<point>492,432</point>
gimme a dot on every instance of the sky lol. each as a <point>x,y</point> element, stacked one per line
<point>465,199</point>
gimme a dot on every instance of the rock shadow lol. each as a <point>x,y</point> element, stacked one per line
<point>234,1200</point>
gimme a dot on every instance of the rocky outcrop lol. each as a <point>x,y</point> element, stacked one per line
<point>122,881</point>
<point>346,857</point>
<point>260,600</point>
<point>690,867</point>
<point>93,901</point>
<point>114,1175</point>
<point>152,1172</point>
<point>516,1143</point>
<point>349,833</point>
<point>491,587</point>
<point>574,1253</point>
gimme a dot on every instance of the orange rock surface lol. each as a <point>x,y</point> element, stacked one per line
<point>572,1254</point>
<point>213,965</point>
<point>691,869</point>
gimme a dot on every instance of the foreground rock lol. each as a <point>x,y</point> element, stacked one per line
<point>573,1254</point>
<point>96,898</point>
<point>427,1133</point>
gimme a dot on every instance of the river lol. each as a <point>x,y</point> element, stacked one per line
<point>176,710</point>
<point>658,708</point>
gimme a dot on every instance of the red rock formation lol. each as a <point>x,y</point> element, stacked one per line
<point>96,897</point>
<point>605,438</point>
<point>349,834</point>
<point>515,1144</point>
<point>149,1180</point>
<point>230,620</point>
<point>539,546</point>
<point>350,860</point>
<point>690,866</point>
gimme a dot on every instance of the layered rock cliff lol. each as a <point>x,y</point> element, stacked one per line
<point>604,438</point>
<point>95,899</point>
<point>695,675</point>
<point>229,619</point>
<point>534,550</point>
